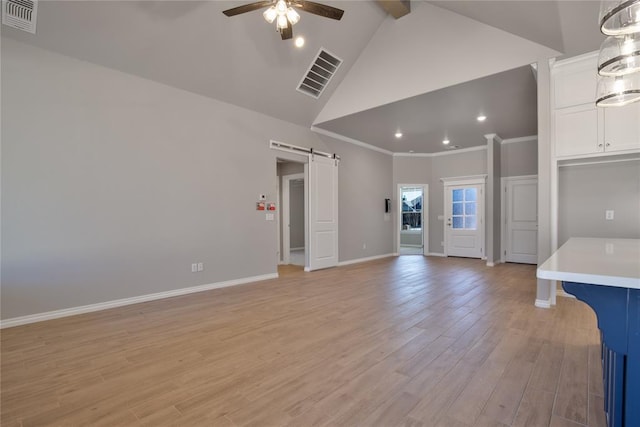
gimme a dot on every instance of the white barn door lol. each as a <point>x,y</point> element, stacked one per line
<point>323,212</point>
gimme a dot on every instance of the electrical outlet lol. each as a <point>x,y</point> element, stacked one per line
<point>200,266</point>
<point>608,215</point>
<point>194,268</point>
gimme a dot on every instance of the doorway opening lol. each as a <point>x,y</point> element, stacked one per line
<point>412,224</point>
<point>292,230</point>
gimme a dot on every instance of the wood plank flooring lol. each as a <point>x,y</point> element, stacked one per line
<point>408,341</point>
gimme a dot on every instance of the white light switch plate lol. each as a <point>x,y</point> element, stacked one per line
<point>270,217</point>
<point>608,215</point>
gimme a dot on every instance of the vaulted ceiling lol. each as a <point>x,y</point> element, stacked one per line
<point>421,72</point>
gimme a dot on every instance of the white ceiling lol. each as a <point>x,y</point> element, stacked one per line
<point>191,45</point>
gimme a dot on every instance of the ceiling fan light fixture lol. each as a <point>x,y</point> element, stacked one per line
<point>293,16</point>
<point>281,7</point>
<point>619,55</point>
<point>618,17</point>
<point>282,22</point>
<point>270,15</point>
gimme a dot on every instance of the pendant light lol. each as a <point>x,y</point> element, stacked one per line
<point>617,91</point>
<point>619,17</point>
<point>619,55</point>
<point>619,58</point>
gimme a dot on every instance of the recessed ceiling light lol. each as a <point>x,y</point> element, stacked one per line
<point>398,134</point>
<point>446,142</point>
<point>411,151</point>
<point>299,41</point>
<point>482,118</point>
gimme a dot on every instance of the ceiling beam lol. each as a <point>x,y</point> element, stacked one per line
<point>396,8</point>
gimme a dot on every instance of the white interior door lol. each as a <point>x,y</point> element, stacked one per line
<point>521,202</point>
<point>323,212</point>
<point>464,228</point>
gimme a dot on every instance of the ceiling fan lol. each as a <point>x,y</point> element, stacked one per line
<point>285,14</point>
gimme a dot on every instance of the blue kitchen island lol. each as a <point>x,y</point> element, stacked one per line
<point>605,274</point>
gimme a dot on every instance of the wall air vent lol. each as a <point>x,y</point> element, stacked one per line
<point>322,69</point>
<point>20,14</point>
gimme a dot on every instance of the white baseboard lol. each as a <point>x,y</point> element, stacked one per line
<point>40,317</point>
<point>543,303</point>
<point>301,248</point>
<point>492,264</point>
<point>359,260</point>
<point>436,254</point>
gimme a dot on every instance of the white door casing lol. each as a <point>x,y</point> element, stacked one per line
<point>323,212</point>
<point>520,219</point>
<point>464,216</point>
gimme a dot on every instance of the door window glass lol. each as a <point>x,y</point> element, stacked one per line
<point>464,216</point>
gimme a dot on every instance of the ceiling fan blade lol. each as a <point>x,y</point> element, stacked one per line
<point>319,9</point>
<point>287,33</point>
<point>247,7</point>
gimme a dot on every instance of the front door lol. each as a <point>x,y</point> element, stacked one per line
<point>464,220</point>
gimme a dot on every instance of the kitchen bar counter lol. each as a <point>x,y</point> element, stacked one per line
<point>605,274</point>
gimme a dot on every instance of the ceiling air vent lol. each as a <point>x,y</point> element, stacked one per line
<point>20,14</point>
<point>319,74</point>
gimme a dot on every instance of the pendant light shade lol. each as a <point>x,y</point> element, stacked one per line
<point>619,56</point>
<point>619,17</point>
<point>618,91</point>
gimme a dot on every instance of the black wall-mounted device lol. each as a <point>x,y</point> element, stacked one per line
<point>387,205</point>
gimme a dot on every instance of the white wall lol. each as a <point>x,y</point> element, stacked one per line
<point>113,185</point>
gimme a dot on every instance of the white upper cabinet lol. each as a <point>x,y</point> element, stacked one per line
<point>575,83</point>
<point>576,130</point>
<point>579,128</point>
<point>622,128</point>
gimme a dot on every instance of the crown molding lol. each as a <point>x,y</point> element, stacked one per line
<point>350,140</point>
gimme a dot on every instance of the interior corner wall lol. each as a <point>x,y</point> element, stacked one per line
<point>113,185</point>
<point>585,192</point>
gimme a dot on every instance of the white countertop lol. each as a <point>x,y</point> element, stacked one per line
<point>609,262</point>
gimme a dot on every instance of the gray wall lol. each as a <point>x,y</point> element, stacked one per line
<point>296,214</point>
<point>519,158</point>
<point>429,170</point>
<point>113,185</point>
<point>585,192</point>
<point>365,180</point>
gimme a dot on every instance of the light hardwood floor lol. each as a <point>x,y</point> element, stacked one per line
<point>407,341</point>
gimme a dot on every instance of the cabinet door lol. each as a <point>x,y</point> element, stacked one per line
<point>576,130</point>
<point>622,128</point>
